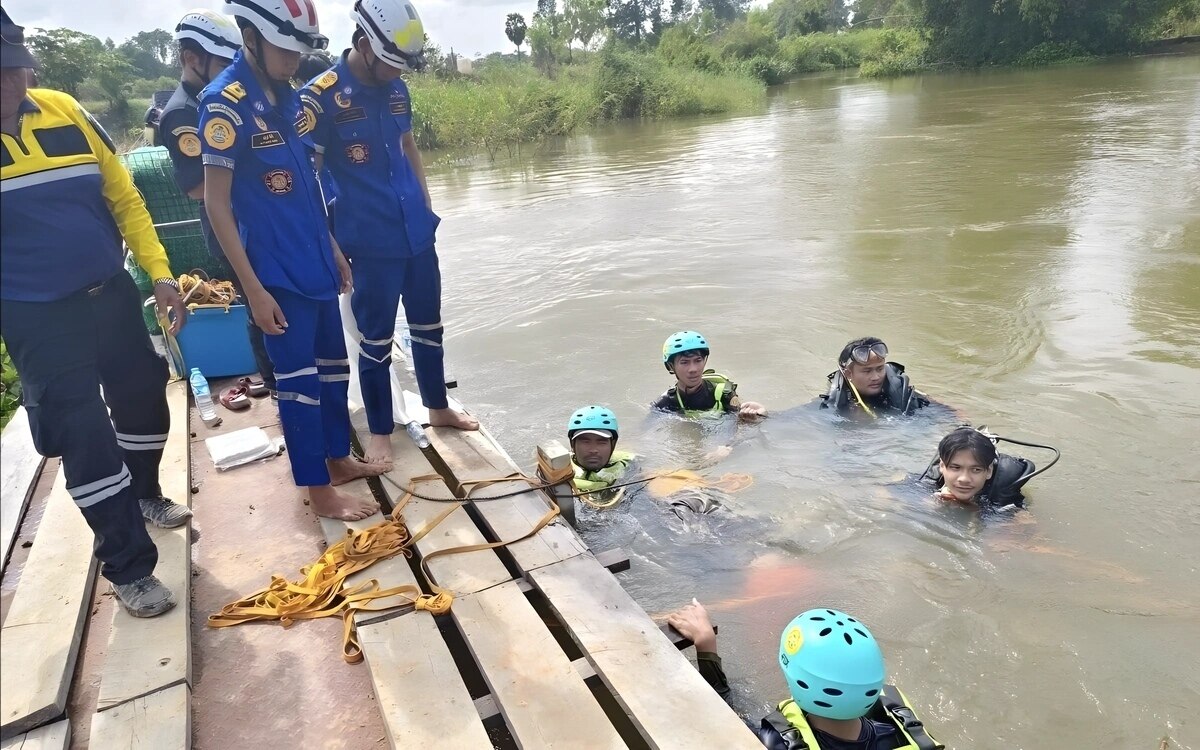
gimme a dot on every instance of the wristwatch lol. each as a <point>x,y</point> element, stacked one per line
<point>168,281</point>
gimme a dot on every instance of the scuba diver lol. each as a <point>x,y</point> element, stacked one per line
<point>969,470</point>
<point>835,672</point>
<point>699,392</point>
<point>866,382</point>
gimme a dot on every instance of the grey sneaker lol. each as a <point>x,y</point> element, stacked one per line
<point>164,513</point>
<point>145,597</point>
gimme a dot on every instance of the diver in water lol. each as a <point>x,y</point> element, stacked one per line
<point>699,392</point>
<point>865,382</point>
<point>835,672</point>
<point>969,470</point>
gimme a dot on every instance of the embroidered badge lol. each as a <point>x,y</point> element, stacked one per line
<point>259,107</point>
<point>311,102</point>
<point>219,134</point>
<point>306,121</point>
<point>350,115</point>
<point>234,92</point>
<point>189,144</point>
<point>399,108</point>
<point>327,79</point>
<point>279,181</point>
<point>219,108</point>
<point>261,123</point>
<point>358,153</point>
<point>266,140</point>
<point>341,101</point>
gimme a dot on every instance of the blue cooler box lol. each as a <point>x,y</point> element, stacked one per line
<point>215,340</point>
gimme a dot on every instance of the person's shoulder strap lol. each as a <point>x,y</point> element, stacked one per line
<point>906,719</point>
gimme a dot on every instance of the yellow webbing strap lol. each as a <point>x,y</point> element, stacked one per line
<point>322,592</point>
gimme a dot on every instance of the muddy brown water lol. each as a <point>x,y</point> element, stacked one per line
<point>1027,243</point>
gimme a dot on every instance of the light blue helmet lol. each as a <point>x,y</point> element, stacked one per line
<point>680,342</point>
<point>592,418</point>
<point>832,663</point>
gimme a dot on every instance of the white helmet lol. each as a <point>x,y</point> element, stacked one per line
<point>215,33</point>
<point>288,24</point>
<point>394,30</point>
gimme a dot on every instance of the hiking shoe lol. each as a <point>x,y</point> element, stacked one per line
<point>145,597</point>
<point>164,513</point>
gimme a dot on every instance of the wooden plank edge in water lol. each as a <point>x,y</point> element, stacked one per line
<point>665,696</point>
<point>41,636</point>
<point>161,720</point>
<point>18,476</point>
<point>474,456</point>
<point>149,654</point>
<point>56,736</point>
<point>542,697</point>
<point>462,573</point>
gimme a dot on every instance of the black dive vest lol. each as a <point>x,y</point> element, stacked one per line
<point>777,733</point>
<point>1004,488</point>
<point>898,393</point>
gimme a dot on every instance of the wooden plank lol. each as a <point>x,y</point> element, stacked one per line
<point>475,455</point>
<point>149,654</point>
<point>159,721</point>
<point>40,639</point>
<point>18,475</point>
<point>421,696</point>
<point>542,697</point>
<point>56,736</point>
<point>676,707</point>
<point>461,573</point>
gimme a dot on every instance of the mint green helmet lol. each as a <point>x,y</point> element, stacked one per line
<point>680,342</point>
<point>832,663</point>
<point>593,419</point>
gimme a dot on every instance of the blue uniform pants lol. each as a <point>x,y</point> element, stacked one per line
<point>64,352</point>
<point>312,374</point>
<point>379,285</point>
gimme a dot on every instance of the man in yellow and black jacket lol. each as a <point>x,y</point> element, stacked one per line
<point>71,319</point>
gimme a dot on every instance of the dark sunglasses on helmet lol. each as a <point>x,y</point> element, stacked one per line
<point>862,354</point>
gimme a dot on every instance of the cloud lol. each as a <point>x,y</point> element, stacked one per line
<point>469,27</point>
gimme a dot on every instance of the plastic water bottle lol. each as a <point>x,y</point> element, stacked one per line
<point>204,402</point>
<point>417,433</point>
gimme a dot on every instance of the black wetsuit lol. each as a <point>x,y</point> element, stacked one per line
<point>703,399</point>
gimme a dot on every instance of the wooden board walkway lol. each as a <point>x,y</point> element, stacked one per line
<point>19,471</point>
<point>542,648</point>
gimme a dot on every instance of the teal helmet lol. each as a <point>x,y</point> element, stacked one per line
<point>593,419</point>
<point>680,342</point>
<point>832,663</point>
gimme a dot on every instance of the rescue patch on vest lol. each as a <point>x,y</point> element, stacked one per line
<point>341,101</point>
<point>358,153</point>
<point>327,79</point>
<point>266,140</point>
<point>278,181</point>
<point>189,144</point>
<point>234,92</point>
<point>219,134</point>
<point>219,108</point>
<point>350,115</point>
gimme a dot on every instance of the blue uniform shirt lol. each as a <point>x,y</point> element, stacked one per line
<point>381,211</point>
<point>275,194</point>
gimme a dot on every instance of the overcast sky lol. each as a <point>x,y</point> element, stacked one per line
<point>469,26</point>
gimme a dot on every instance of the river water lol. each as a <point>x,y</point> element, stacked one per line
<point>1028,245</point>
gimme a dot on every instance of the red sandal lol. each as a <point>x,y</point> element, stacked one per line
<point>255,387</point>
<point>235,399</point>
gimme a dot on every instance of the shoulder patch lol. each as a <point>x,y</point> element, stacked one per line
<point>234,92</point>
<point>185,129</point>
<point>219,134</point>
<point>307,99</point>
<point>217,108</point>
<point>189,144</point>
<point>327,79</point>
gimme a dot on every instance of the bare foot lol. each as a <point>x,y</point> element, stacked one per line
<point>379,450</point>
<point>451,418</point>
<point>342,470</point>
<point>331,503</point>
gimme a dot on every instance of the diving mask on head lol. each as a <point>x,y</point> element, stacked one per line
<point>862,354</point>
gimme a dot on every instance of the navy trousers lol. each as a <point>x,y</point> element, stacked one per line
<point>65,351</point>
<point>379,286</point>
<point>312,375</point>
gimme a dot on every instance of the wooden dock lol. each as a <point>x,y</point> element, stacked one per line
<point>542,647</point>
